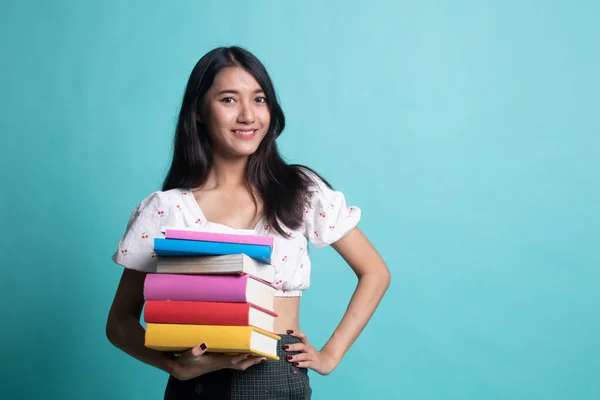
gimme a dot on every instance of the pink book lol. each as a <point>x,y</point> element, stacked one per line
<point>188,234</point>
<point>217,288</point>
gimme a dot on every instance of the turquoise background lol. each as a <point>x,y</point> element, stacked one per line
<point>466,131</point>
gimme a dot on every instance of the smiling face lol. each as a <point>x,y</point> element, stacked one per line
<point>236,113</point>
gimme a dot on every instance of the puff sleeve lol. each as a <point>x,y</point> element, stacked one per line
<point>136,247</point>
<point>327,217</point>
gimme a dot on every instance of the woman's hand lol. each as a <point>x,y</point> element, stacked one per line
<point>197,361</point>
<point>309,357</point>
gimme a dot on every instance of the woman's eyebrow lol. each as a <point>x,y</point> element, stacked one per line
<point>233,91</point>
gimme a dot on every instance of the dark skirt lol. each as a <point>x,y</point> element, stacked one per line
<point>273,380</point>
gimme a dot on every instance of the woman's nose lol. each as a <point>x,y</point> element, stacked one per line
<point>246,114</point>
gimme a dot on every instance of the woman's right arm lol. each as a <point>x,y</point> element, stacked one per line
<point>123,330</point>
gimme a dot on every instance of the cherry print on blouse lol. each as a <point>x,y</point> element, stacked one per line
<point>161,213</point>
<point>323,214</point>
<point>316,233</point>
<point>124,252</point>
<point>153,255</point>
<point>301,265</point>
<point>331,226</point>
<point>144,236</point>
<point>198,221</point>
<point>178,207</point>
<point>284,259</point>
<point>305,210</point>
<point>183,193</point>
<point>350,212</point>
<point>331,205</point>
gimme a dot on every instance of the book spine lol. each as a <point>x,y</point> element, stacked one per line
<point>201,313</point>
<point>218,338</point>
<point>177,248</point>
<point>180,337</point>
<point>218,237</point>
<point>175,287</point>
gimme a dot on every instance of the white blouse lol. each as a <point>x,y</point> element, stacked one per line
<point>326,220</point>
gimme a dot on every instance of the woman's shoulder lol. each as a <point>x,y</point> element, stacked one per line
<point>162,200</point>
<point>174,195</point>
<point>309,178</point>
<point>327,216</point>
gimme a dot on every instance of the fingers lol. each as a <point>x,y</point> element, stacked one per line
<point>248,362</point>
<point>193,354</point>
<point>307,355</point>
<point>199,350</point>
<point>238,358</point>
<point>196,355</point>
<point>304,353</point>
<point>238,361</point>
<point>295,347</point>
<point>300,357</point>
<point>302,346</point>
<point>300,335</point>
<point>302,360</point>
<point>303,364</point>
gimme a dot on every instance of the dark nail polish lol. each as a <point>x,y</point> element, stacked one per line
<point>289,331</point>
<point>296,364</point>
<point>289,358</point>
<point>203,346</point>
<point>286,347</point>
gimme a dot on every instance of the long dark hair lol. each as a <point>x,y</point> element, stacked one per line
<point>283,188</point>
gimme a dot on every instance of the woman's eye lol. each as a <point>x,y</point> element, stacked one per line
<point>261,99</point>
<point>228,100</point>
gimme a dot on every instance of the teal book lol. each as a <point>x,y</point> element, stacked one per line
<point>190,248</point>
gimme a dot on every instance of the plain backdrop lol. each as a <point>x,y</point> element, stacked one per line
<point>467,132</point>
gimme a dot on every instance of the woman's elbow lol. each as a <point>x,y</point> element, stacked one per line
<point>380,275</point>
<point>385,277</point>
<point>112,329</point>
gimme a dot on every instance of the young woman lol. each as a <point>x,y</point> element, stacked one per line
<point>227,174</point>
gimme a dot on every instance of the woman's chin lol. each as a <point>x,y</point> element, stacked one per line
<point>237,152</point>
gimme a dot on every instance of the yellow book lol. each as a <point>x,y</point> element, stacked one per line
<point>218,339</point>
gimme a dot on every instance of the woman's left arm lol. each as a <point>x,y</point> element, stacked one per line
<point>373,280</point>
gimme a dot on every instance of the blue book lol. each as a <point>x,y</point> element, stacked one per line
<point>189,248</point>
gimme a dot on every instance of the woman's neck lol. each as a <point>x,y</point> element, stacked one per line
<point>226,173</point>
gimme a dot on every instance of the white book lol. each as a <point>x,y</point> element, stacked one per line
<point>221,264</point>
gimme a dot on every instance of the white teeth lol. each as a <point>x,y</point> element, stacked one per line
<point>244,132</point>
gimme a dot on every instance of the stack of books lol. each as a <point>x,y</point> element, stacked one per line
<point>214,288</point>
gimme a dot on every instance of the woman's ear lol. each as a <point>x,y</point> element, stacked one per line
<point>198,117</point>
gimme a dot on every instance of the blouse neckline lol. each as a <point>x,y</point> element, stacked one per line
<point>196,206</point>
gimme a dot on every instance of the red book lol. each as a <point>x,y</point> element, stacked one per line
<point>208,313</point>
